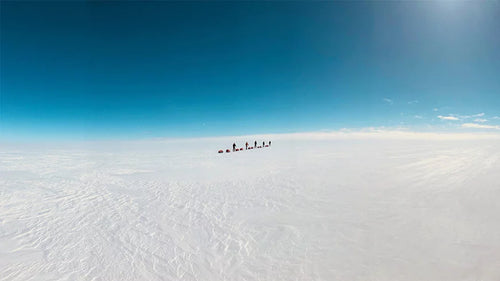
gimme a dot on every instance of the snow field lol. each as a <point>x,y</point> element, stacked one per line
<point>371,209</point>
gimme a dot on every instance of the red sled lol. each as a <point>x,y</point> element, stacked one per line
<point>227,150</point>
<point>267,145</point>
<point>221,151</point>
<point>241,148</point>
<point>237,149</point>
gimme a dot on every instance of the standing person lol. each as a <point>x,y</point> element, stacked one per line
<point>234,147</point>
<point>269,143</point>
<point>263,144</point>
<point>255,144</point>
<point>246,146</point>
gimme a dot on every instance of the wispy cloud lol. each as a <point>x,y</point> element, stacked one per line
<point>479,126</point>
<point>495,117</point>
<point>413,102</point>
<point>452,118</point>
<point>418,117</point>
<point>389,101</point>
<point>435,109</point>
<point>456,117</point>
<point>471,116</point>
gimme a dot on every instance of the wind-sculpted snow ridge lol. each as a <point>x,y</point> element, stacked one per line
<point>302,209</point>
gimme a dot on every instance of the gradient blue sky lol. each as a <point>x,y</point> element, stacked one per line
<point>158,69</point>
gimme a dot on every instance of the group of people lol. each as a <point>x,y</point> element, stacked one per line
<point>252,147</point>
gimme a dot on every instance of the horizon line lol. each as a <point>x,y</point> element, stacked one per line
<point>344,133</point>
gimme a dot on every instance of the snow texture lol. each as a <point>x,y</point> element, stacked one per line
<point>303,209</point>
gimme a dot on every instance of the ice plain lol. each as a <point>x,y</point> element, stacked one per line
<point>307,208</point>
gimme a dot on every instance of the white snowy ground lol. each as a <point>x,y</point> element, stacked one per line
<point>308,208</point>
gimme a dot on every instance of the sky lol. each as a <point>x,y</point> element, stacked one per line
<point>92,70</point>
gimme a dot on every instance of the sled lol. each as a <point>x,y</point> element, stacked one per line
<point>227,150</point>
<point>221,151</point>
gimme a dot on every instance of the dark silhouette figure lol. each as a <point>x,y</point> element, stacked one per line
<point>255,144</point>
<point>263,143</point>
<point>269,143</point>
<point>234,147</point>
<point>246,146</point>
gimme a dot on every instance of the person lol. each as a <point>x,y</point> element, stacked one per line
<point>269,143</point>
<point>255,144</point>
<point>263,144</point>
<point>234,147</point>
<point>246,146</point>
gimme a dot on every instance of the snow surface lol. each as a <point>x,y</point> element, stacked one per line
<point>304,209</point>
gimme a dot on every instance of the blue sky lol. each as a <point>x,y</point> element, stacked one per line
<point>158,69</point>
